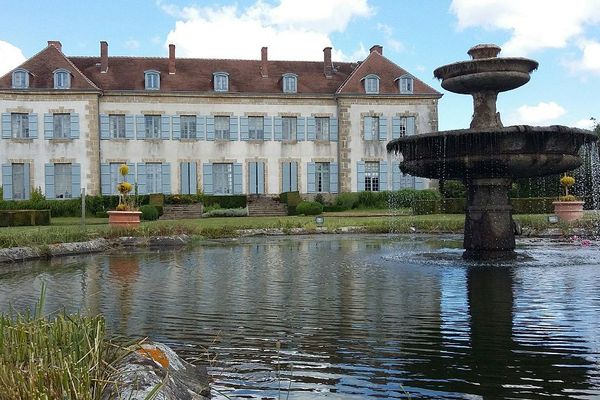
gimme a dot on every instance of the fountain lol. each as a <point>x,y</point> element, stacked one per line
<point>488,156</point>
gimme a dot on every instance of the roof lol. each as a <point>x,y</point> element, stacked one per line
<point>194,75</point>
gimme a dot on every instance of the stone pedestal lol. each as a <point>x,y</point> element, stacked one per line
<point>489,227</point>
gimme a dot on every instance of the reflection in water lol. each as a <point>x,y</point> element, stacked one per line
<point>347,317</point>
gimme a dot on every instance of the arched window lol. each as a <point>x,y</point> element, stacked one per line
<point>20,79</point>
<point>221,81</point>
<point>152,80</point>
<point>290,83</point>
<point>405,84</point>
<point>62,79</point>
<point>371,84</point>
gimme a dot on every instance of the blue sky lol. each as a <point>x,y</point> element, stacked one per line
<point>418,35</point>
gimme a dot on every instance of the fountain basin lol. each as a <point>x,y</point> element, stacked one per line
<point>510,152</point>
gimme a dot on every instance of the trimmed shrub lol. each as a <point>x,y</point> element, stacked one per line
<point>346,201</point>
<point>453,206</point>
<point>181,199</point>
<point>149,212</point>
<point>453,189</point>
<point>237,201</point>
<point>309,208</point>
<point>156,199</point>
<point>101,214</point>
<point>290,198</point>
<point>533,205</point>
<point>160,209</point>
<point>424,207</point>
<point>231,212</point>
<point>24,217</point>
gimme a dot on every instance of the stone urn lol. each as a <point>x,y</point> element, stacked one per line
<point>568,211</point>
<point>124,219</point>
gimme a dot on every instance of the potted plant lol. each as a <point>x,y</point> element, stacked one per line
<point>568,208</point>
<point>126,214</point>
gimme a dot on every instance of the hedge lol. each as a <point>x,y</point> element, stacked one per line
<point>309,208</point>
<point>149,212</point>
<point>423,207</point>
<point>291,199</point>
<point>533,205</point>
<point>24,217</point>
<point>236,201</point>
<point>453,206</point>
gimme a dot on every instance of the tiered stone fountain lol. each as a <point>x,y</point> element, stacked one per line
<point>488,156</point>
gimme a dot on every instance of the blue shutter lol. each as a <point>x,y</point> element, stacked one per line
<point>166,178</point>
<point>261,177</point>
<point>383,176</point>
<point>237,179</point>
<point>396,173</point>
<point>207,178</point>
<point>141,178</point>
<point>368,128</point>
<point>131,174</point>
<point>382,128</point>
<point>129,127</point>
<point>333,177</point>
<point>165,127</point>
<point>193,178</point>
<point>310,129</point>
<point>286,171</point>
<point>184,177</point>
<point>233,128</point>
<point>27,180</point>
<point>105,179</point>
<point>360,174</point>
<point>395,127</point>
<point>301,129</point>
<point>210,129</point>
<point>200,127</point>
<point>33,126</point>
<point>252,175</point>
<point>140,127</point>
<point>176,127</point>
<point>7,193</point>
<point>104,126</point>
<point>310,175</point>
<point>410,126</point>
<point>278,128</point>
<point>49,181</point>
<point>294,176</point>
<point>268,126</point>
<point>74,126</point>
<point>6,126</point>
<point>244,128</point>
<point>75,180</point>
<point>333,129</point>
<point>49,132</point>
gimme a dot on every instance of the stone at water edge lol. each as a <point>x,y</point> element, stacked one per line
<point>154,363</point>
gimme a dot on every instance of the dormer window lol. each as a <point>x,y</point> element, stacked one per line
<point>406,84</point>
<point>152,79</point>
<point>20,79</point>
<point>62,79</point>
<point>221,81</point>
<point>371,84</point>
<point>290,83</point>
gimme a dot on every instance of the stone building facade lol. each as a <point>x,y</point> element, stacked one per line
<point>216,126</point>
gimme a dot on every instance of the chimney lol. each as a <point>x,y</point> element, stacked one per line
<point>377,48</point>
<point>327,65</point>
<point>264,64</point>
<point>171,59</point>
<point>103,57</point>
<point>56,44</point>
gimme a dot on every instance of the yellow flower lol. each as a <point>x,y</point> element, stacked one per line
<point>124,187</point>
<point>123,169</point>
<point>567,181</point>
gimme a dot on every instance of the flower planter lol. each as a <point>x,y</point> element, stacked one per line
<point>568,211</point>
<point>127,219</point>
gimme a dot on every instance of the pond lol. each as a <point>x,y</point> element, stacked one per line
<point>347,317</point>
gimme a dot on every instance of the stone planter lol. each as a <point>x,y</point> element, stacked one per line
<point>568,211</point>
<point>127,219</point>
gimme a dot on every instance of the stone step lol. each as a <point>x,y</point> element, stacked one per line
<point>182,211</point>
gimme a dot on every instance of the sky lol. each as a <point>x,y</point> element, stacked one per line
<point>418,35</point>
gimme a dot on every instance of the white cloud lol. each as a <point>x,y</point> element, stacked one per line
<point>10,57</point>
<point>542,113</point>
<point>585,124</point>
<point>590,58</point>
<point>534,24</point>
<point>132,44</point>
<point>390,41</point>
<point>291,29</point>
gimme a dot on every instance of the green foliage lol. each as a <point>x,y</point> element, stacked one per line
<point>453,206</point>
<point>181,199</point>
<point>24,217</point>
<point>237,201</point>
<point>320,199</point>
<point>37,195</point>
<point>210,208</point>
<point>309,208</point>
<point>290,198</point>
<point>426,207</point>
<point>156,199</point>
<point>453,189</point>
<point>230,212</point>
<point>533,205</point>
<point>346,201</point>
<point>149,212</point>
<point>159,208</point>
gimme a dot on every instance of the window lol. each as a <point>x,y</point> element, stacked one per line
<point>407,126</point>
<point>371,84</point>
<point>256,128</point>
<point>62,181</point>
<point>322,177</point>
<point>372,176</point>
<point>221,81</point>
<point>153,178</point>
<point>115,177</point>
<point>152,80</point>
<point>406,84</point>
<point>290,83</point>
<point>117,126</point>
<point>20,79</point>
<point>18,182</point>
<point>19,125</point>
<point>152,127</point>
<point>371,128</point>
<point>289,127</point>
<point>222,127</point>
<point>322,128</point>
<point>289,176</point>
<point>62,128</point>
<point>188,126</point>
<point>222,178</point>
<point>62,79</point>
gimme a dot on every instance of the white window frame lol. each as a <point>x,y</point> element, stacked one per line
<point>322,177</point>
<point>152,80</point>
<point>406,84</point>
<point>20,79</point>
<point>152,126</point>
<point>290,83</point>
<point>256,128</point>
<point>19,125</point>
<point>67,180</point>
<point>222,128</point>
<point>289,128</point>
<point>115,177</point>
<point>62,79</point>
<point>18,181</point>
<point>116,124</point>
<point>153,177</point>
<point>322,128</point>
<point>221,81</point>
<point>61,126</point>
<point>222,178</point>
<point>374,127</point>
<point>188,128</point>
<point>371,84</point>
<point>372,182</point>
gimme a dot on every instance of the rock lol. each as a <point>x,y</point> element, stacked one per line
<point>91,246</point>
<point>168,241</point>
<point>139,373</point>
